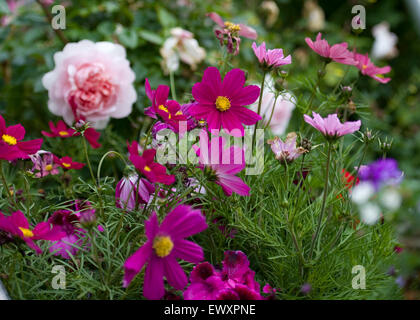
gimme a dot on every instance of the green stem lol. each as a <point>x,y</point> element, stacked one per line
<point>324,200</point>
<point>272,111</point>
<point>173,90</point>
<point>88,161</point>
<point>321,74</point>
<point>259,108</point>
<point>5,186</point>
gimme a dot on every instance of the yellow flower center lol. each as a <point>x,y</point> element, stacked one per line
<point>10,140</point>
<point>163,108</point>
<point>147,169</point>
<point>364,67</point>
<point>179,113</point>
<point>48,167</point>
<point>232,27</point>
<point>222,103</point>
<point>66,165</point>
<point>163,246</point>
<point>63,133</point>
<point>26,232</point>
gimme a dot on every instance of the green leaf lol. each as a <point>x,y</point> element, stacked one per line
<point>128,38</point>
<point>151,37</point>
<point>166,19</point>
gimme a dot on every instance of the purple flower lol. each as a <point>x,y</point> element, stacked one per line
<point>306,288</point>
<point>331,127</point>
<point>130,191</point>
<point>43,164</point>
<point>381,172</point>
<point>165,244</point>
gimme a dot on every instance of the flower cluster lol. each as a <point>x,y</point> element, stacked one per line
<point>340,53</point>
<point>235,281</point>
<point>377,188</point>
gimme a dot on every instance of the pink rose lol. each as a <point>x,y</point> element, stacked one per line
<point>90,82</point>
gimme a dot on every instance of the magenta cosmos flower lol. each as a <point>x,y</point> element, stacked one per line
<point>153,171</point>
<point>270,58</point>
<point>60,130</point>
<point>337,52</point>
<point>158,97</point>
<point>68,222</point>
<point>287,150</point>
<point>236,281</point>
<point>11,145</point>
<point>165,244</point>
<point>131,191</point>
<point>221,104</point>
<point>331,127</point>
<point>92,82</point>
<point>18,226</point>
<point>222,164</point>
<point>68,163</point>
<point>367,68</point>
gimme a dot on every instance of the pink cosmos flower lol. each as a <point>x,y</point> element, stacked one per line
<point>43,164</point>
<point>367,68</point>
<point>331,127</point>
<point>222,164</point>
<point>68,163</point>
<point>337,52</point>
<point>126,196</point>
<point>11,145</point>
<point>61,130</point>
<point>221,104</point>
<point>17,225</point>
<point>153,171</point>
<point>234,282</point>
<point>165,244</point>
<point>92,82</point>
<point>231,33</point>
<point>270,58</point>
<point>286,151</point>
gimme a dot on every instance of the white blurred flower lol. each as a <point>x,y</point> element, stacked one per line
<point>315,15</point>
<point>181,46</point>
<point>391,199</point>
<point>362,192</point>
<point>283,108</point>
<point>370,213</point>
<point>385,43</point>
<point>272,12</point>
